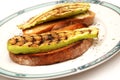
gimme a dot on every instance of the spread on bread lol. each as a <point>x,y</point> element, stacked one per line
<point>58,35</point>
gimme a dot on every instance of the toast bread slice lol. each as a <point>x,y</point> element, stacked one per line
<point>56,56</point>
<point>81,20</point>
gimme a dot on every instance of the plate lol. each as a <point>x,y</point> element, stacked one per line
<point>106,46</point>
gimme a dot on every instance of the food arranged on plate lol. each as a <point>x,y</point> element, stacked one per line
<point>60,34</point>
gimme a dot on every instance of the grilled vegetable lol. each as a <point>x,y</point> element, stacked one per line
<point>45,42</point>
<point>62,11</point>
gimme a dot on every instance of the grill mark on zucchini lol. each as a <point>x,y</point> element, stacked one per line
<point>54,36</point>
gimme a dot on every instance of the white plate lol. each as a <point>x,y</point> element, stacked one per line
<point>106,46</point>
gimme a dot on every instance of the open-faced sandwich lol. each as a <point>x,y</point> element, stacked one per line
<point>63,16</point>
<point>58,35</point>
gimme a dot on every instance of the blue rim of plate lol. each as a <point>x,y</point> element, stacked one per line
<point>84,67</point>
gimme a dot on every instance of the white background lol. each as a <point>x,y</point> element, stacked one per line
<point>109,70</point>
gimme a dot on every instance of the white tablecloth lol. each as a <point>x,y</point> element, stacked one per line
<point>109,70</point>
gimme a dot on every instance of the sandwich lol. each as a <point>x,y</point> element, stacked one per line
<point>51,38</point>
<point>61,16</point>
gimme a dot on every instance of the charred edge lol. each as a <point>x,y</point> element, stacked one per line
<point>50,37</point>
<point>42,39</point>
<point>20,41</point>
<point>56,37</point>
<point>24,39</point>
<point>65,36</point>
<point>33,39</point>
<point>89,31</point>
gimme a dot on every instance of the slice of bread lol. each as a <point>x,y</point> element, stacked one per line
<point>63,54</point>
<point>81,20</point>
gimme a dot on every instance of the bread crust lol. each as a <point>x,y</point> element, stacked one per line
<point>60,55</point>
